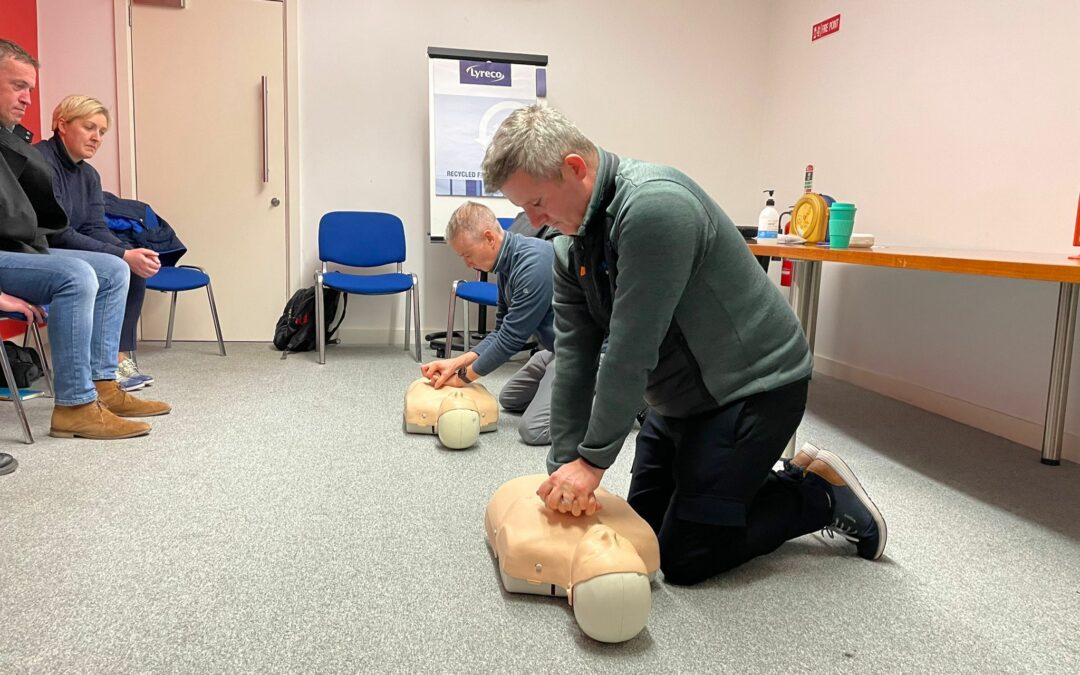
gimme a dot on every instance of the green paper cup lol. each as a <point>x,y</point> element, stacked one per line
<point>841,224</point>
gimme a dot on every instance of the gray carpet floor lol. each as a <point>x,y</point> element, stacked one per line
<point>279,520</point>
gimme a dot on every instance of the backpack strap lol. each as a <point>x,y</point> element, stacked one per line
<point>344,307</point>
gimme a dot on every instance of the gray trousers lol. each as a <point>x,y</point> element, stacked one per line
<point>529,392</point>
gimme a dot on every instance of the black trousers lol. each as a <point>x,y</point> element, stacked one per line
<point>705,484</point>
<point>132,312</point>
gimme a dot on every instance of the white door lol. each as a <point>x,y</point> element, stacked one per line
<point>210,157</point>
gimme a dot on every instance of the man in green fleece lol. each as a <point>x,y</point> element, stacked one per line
<point>696,329</point>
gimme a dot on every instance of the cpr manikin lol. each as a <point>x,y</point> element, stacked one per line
<point>603,563</point>
<point>457,414</point>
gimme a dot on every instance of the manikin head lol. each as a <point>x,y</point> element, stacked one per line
<point>543,164</point>
<point>81,123</point>
<point>459,421</point>
<point>610,586</point>
<point>18,78</point>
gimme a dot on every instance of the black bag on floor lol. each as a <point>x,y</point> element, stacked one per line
<point>25,365</point>
<point>295,330</point>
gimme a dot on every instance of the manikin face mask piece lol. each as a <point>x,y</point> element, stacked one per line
<point>459,421</point>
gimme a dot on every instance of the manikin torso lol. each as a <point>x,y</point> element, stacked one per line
<point>603,562</point>
<point>457,414</point>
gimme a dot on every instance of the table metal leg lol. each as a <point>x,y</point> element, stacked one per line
<point>1060,363</point>
<point>805,288</point>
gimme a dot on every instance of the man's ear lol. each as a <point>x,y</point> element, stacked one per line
<point>576,166</point>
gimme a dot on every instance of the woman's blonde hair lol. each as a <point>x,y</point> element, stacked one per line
<point>76,107</point>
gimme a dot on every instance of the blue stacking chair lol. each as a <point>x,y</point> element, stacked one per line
<point>185,278</point>
<point>17,395</point>
<point>364,239</point>
<point>481,292</point>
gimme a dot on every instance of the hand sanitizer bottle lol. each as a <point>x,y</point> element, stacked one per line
<point>768,222</point>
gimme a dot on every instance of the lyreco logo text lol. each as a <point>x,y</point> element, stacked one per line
<point>486,73</point>
<point>493,75</point>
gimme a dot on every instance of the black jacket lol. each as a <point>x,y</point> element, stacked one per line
<point>29,211</point>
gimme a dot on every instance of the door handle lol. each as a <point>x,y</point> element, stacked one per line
<point>266,128</point>
<point>275,202</point>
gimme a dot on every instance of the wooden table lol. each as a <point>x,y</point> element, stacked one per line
<point>1059,268</point>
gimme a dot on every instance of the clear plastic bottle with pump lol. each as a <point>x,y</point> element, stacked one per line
<point>768,221</point>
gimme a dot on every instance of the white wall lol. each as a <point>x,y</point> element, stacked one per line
<point>76,45</point>
<point>674,83</point>
<point>951,125</point>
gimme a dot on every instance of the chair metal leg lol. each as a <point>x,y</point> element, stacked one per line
<point>172,317</point>
<point>448,350</point>
<point>467,330</point>
<point>408,315</point>
<point>213,313</point>
<point>416,315</point>
<point>320,325</point>
<point>9,377</point>
<point>44,358</point>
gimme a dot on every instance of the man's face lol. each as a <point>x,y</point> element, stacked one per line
<point>82,136</point>
<point>480,252</point>
<point>17,80</point>
<point>560,203</point>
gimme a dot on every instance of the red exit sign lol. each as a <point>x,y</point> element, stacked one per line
<point>826,27</point>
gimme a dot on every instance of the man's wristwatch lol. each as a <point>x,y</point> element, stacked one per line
<point>463,374</point>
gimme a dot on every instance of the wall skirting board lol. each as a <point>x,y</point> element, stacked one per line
<point>1024,432</point>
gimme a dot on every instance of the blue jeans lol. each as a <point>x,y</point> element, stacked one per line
<point>85,292</point>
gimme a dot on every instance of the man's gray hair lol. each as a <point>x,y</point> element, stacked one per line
<point>535,140</point>
<point>9,48</point>
<point>472,219</point>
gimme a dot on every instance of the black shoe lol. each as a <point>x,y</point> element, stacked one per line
<point>854,516</point>
<point>797,465</point>
<point>7,463</point>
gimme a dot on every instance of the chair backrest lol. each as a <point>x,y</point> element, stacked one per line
<point>361,238</point>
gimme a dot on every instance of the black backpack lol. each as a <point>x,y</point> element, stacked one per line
<point>295,331</point>
<point>25,365</point>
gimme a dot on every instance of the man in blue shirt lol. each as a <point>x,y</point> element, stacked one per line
<point>523,265</point>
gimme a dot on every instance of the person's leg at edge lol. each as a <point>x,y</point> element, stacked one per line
<point>730,506</point>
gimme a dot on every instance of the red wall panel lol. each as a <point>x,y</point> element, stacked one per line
<point>18,23</point>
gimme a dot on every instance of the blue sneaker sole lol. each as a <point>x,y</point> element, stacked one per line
<point>840,467</point>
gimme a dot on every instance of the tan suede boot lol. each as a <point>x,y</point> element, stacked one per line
<point>123,404</point>
<point>93,420</point>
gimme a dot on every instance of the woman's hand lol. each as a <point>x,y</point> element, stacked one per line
<point>142,261</point>
<point>572,488</point>
<point>10,303</point>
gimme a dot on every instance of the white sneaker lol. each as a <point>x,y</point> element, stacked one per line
<point>127,370</point>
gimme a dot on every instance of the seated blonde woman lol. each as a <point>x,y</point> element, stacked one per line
<point>79,123</point>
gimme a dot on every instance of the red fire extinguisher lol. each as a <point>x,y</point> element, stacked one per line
<point>787,267</point>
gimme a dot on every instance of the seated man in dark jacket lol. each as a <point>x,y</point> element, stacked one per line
<point>79,123</point>
<point>85,290</point>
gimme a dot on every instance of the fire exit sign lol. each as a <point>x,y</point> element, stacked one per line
<point>826,27</point>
